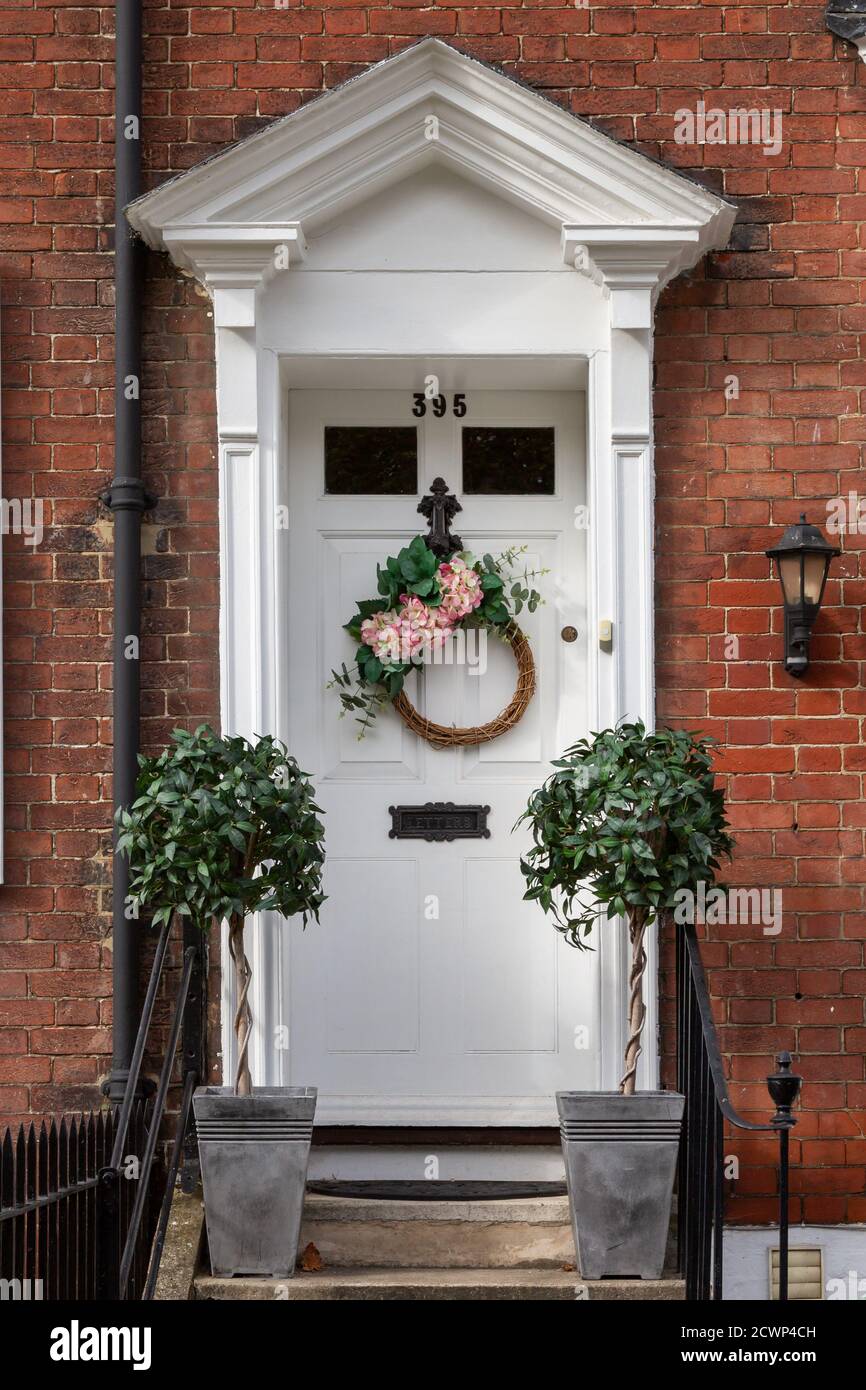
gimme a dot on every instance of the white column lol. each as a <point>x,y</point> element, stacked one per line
<point>632,486</point>
<point>250,600</point>
<point>621,489</point>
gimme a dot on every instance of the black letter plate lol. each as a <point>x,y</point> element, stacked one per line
<point>439,820</point>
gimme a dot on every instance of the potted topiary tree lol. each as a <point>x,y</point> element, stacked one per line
<point>626,825</point>
<point>222,828</point>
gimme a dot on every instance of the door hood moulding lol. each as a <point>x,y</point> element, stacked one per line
<point>428,104</point>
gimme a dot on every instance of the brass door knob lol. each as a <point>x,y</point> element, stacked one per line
<point>569,634</point>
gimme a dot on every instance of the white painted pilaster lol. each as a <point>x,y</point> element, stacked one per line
<point>621,555</point>
<point>249,641</point>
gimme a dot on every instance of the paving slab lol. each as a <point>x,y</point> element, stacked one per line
<point>479,1285</point>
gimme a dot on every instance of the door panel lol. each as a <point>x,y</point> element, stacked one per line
<point>430,992</point>
<point>383,1015</point>
<point>343,568</point>
<point>504,957</point>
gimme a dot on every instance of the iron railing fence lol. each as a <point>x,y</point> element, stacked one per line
<point>701,1173</point>
<point>84,1202</point>
<point>49,1205</point>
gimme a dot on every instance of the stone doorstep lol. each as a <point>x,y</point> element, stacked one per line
<point>320,1206</point>
<point>479,1285</point>
<point>481,1250</point>
<point>352,1232</point>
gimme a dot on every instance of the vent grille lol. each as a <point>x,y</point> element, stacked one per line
<point>805,1273</point>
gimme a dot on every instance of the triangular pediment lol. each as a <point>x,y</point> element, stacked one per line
<point>435,220</point>
<point>431,105</point>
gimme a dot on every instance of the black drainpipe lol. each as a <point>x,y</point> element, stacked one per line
<point>127,499</point>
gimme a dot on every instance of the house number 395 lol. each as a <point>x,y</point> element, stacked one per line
<point>438,404</point>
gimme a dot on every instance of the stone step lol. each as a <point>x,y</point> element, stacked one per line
<point>478,1285</point>
<point>368,1233</point>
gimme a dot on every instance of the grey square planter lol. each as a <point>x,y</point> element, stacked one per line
<point>254,1152</point>
<point>620,1160</point>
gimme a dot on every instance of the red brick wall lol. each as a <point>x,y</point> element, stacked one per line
<point>782,311</point>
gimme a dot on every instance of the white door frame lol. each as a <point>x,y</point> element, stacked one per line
<point>625,224</point>
<point>254,588</point>
<point>254,602</point>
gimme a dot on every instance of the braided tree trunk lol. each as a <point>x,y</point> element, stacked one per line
<point>637,926</point>
<point>243,1021</point>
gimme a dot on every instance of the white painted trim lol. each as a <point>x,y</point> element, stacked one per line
<point>454,1162</point>
<point>633,264</point>
<point>480,1111</point>
<point>626,223</point>
<point>374,130</point>
<point>234,261</point>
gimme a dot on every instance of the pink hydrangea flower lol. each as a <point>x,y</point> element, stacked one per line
<point>421,628</point>
<point>415,630</point>
<point>443,621</point>
<point>461,589</point>
<point>382,633</point>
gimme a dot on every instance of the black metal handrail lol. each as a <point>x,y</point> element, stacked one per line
<point>701,1077</point>
<point>171,1179</point>
<point>115,1260</point>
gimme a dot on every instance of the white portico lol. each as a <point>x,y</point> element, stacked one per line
<point>432,218</point>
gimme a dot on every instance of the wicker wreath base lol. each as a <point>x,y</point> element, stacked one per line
<point>447,736</point>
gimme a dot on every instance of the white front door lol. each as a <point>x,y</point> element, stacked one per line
<point>430,992</point>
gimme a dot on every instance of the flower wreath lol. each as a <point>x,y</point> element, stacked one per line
<point>423,602</point>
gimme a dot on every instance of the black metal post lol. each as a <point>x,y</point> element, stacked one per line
<point>784,1138</point>
<point>682,1181</point>
<point>108,1236</point>
<point>193,1042</point>
<point>784,1087</point>
<point>127,499</point>
<point>718,1204</point>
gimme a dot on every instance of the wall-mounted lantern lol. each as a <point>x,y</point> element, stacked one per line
<point>804,559</point>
